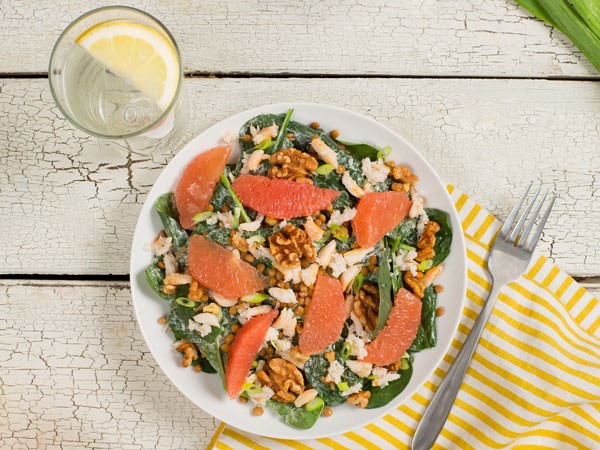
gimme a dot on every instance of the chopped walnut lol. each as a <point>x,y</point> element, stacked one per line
<point>427,242</point>
<point>284,378</point>
<point>366,306</point>
<point>419,282</point>
<point>403,174</point>
<point>190,353</point>
<point>360,399</point>
<point>290,245</point>
<point>292,164</point>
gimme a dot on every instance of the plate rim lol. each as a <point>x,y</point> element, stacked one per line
<point>455,219</point>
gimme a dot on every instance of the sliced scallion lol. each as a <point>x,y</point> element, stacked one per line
<point>324,169</point>
<point>408,248</point>
<point>183,301</point>
<point>263,145</point>
<point>343,386</point>
<point>384,152</point>
<point>254,298</point>
<point>283,130</point>
<point>425,265</point>
<point>346,350</point>
<point>202,216</point>
<point>404,364</point>
<point>235,198</point>
<point>358,282</point>
<point>339,232</point>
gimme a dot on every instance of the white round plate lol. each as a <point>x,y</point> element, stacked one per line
<point>206,390</point>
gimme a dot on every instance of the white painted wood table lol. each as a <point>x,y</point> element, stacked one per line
<point>492,97</point>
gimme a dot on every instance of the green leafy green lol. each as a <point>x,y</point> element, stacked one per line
<point>427,331</point>
<point>221,197</point>
<point>296,417</point>
<point>384,280</point>
<point>213,233</point>
<point>332,180</point>
<point>178,320</point>
<point>404,233</point>
<point>361,151</point>
<point>167,211</point>
<point>382,396</point>
<point>443,238</point>
<point>234,197</point>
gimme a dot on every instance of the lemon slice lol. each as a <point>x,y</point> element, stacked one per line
<point>138,53</point>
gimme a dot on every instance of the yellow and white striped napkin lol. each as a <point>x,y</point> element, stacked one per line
<point>534,381</point>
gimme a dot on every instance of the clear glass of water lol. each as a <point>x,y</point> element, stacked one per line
<point>118,98</point>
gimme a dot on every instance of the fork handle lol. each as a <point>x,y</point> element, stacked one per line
<point>437,412</point>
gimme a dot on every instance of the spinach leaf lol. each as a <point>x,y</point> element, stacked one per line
<point>296,417</point>
<point>382,396</point>
<point>167,211</point>
<point>316,368</point>
<point>178,320</point>
<point>384,280</point>
<point>154,278</point>
<point>221,197</point>
<point>427,332</point>
<point>443,238</point>
<point>213,233</point>
<point>203,362</point>
<point>361,151</point>
<point>334,181</point>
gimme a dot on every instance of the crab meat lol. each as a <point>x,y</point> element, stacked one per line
<point>339,218</point>
<point>286,321</point>
<point>207,319</point>
<point>229,137</point>
<point>253,160</point>
<point>170,263</point>
<point>349,275</point>
<point>352,185</point>
<point>326,254</point>
<point>309,275</point>
<point>337,265</point>
<point>356,256</point>
<point>305,397</point>
<point>417,205</point>
<point>314,231</point>
<point>252,226</point>
<point>362,369</point>
<point>375,172</point>
<point>247,314</point>
<point>160,246</point>
<point>431,275</point>
<point>264,134</point>
<point>324,152</point>
<point>293,274</point>
<point>177,279</point>
<point>286,296</point>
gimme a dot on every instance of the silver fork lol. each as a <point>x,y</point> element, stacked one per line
<point>509,258</point>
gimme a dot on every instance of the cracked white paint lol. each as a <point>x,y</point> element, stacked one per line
<point>408,37</point>
<point>75,372</point>
<point>70,206</point>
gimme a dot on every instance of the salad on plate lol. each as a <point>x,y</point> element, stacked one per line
<point>303,275</point>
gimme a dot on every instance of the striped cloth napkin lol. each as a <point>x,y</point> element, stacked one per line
<point>534,381</point>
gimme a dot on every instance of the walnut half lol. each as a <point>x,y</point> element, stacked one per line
<point>290,245</point>
<point>284,378</point>
<point>366,306</point>
<point>292,164</point>
<point>427,242</point>
<point>360,399</point>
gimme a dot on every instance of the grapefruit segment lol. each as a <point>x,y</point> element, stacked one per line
<point>282,199</point>
<point>221,270</point>
<point>399,332</point>
<point>325,317</point>
<point>243,350</point>
<point>197,183</point>
<point>378,213</point>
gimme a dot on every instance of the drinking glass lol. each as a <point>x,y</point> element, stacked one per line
<point>110,102</point>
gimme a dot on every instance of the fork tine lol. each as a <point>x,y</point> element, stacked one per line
<point>540,228</point>
<point>523,218</point>
<point>531,224</point>
<point>511,217</point>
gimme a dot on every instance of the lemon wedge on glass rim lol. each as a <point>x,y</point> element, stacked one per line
<point>137,53</point>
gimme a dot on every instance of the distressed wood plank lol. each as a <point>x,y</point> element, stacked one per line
<point>69,205</point>
<point>76,372</point>
<point>396,37</point>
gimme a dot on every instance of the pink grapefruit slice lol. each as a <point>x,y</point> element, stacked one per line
<point>197,183</point>
<point>282,199</point>
<point>325,317</point>
<point>378,213</point>
<point>244,348</point>
<point>399,331</point>
<point>221,270</point>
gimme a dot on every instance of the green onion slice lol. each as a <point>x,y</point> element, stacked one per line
<point>403,364</point>
<point>384,152</point>
<point>343,386</point>
<point>236,217</point>
<point>314,404</point>
<point>263,145</point>
<point>339,232</point>
<point>325,169</point>
<point>235,198</point>
<point>202,216</point>
<point>183,301</point>
<point>408,248</point>
<point>425,265</point>
<point>346,350</point>
<point>358,282</point>
<point>252,389</point>
<point>254,298</point>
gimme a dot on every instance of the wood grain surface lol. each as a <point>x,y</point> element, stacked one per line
<point>492,38</point>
